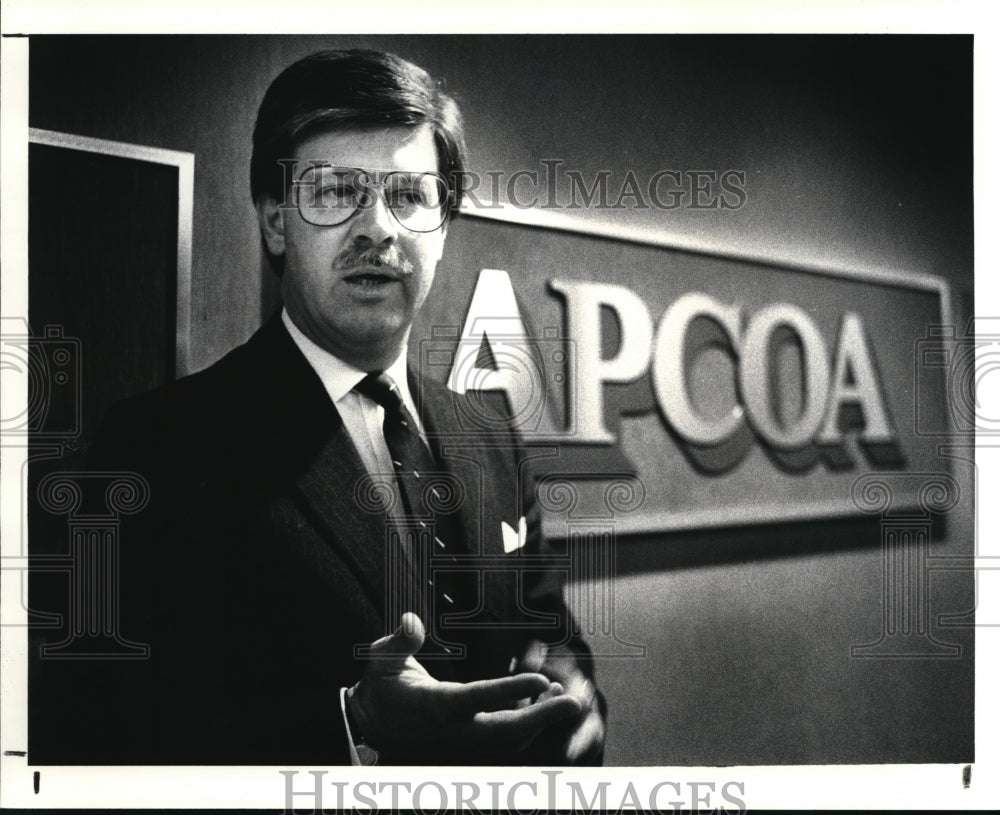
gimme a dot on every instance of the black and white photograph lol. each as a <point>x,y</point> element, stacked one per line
<point>548,418</point>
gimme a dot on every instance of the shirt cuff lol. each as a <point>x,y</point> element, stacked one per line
<point>355,760</point>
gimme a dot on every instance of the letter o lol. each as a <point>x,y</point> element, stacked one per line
<point>755,384</point>
<point>442,793</point>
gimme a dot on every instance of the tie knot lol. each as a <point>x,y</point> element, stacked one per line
<point>379,387</point>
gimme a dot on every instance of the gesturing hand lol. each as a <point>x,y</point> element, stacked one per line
<point>579,740</point>
<point>404,712</point>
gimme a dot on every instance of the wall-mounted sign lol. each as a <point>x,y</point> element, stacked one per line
<point>737,391</point>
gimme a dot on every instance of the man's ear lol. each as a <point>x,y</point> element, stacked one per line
<point>272,224</point>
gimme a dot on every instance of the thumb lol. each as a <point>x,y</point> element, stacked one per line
<point>404,642</point>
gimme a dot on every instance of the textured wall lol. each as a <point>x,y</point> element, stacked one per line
<point>858,155</point>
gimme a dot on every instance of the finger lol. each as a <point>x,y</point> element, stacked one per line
<point>392,651</point>
<point>533,657</point>
<point>555,689</point>
<point>492,694</point>
<point>586,738</point>
<point>583,690</point>
<point>518,728</point>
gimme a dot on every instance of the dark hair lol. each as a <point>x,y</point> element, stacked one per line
<point>345,89</point>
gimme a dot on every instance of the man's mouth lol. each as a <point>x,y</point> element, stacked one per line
<point>371,278</point>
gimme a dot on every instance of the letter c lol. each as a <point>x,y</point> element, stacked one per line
<point>669,381</point>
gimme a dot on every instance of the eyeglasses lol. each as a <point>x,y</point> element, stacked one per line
<point>327,196</point>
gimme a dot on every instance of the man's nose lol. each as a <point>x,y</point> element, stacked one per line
<point>374,222</point>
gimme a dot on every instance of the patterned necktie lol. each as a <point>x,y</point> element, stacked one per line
<point>415,469</point>
<point>411,459</point>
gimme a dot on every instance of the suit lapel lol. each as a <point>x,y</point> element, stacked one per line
<point>304,446</point>
<point>331,491</point>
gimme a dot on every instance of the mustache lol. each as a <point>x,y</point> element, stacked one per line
<point>389,259</point>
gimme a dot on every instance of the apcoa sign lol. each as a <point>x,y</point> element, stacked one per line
<point>848,377</point>
<point>736,391</point>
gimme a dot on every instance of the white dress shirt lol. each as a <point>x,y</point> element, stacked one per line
<point>362,417</point>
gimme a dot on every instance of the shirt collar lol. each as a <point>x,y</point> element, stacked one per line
<point>339,377</point>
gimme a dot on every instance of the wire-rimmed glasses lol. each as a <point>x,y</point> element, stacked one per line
<point>327,195</point>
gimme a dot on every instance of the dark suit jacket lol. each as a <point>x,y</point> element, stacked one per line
<point>256,570</point>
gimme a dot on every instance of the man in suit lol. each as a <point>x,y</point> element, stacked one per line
<point>335,566</point>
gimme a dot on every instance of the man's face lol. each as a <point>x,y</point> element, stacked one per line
<point>355,288</point>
